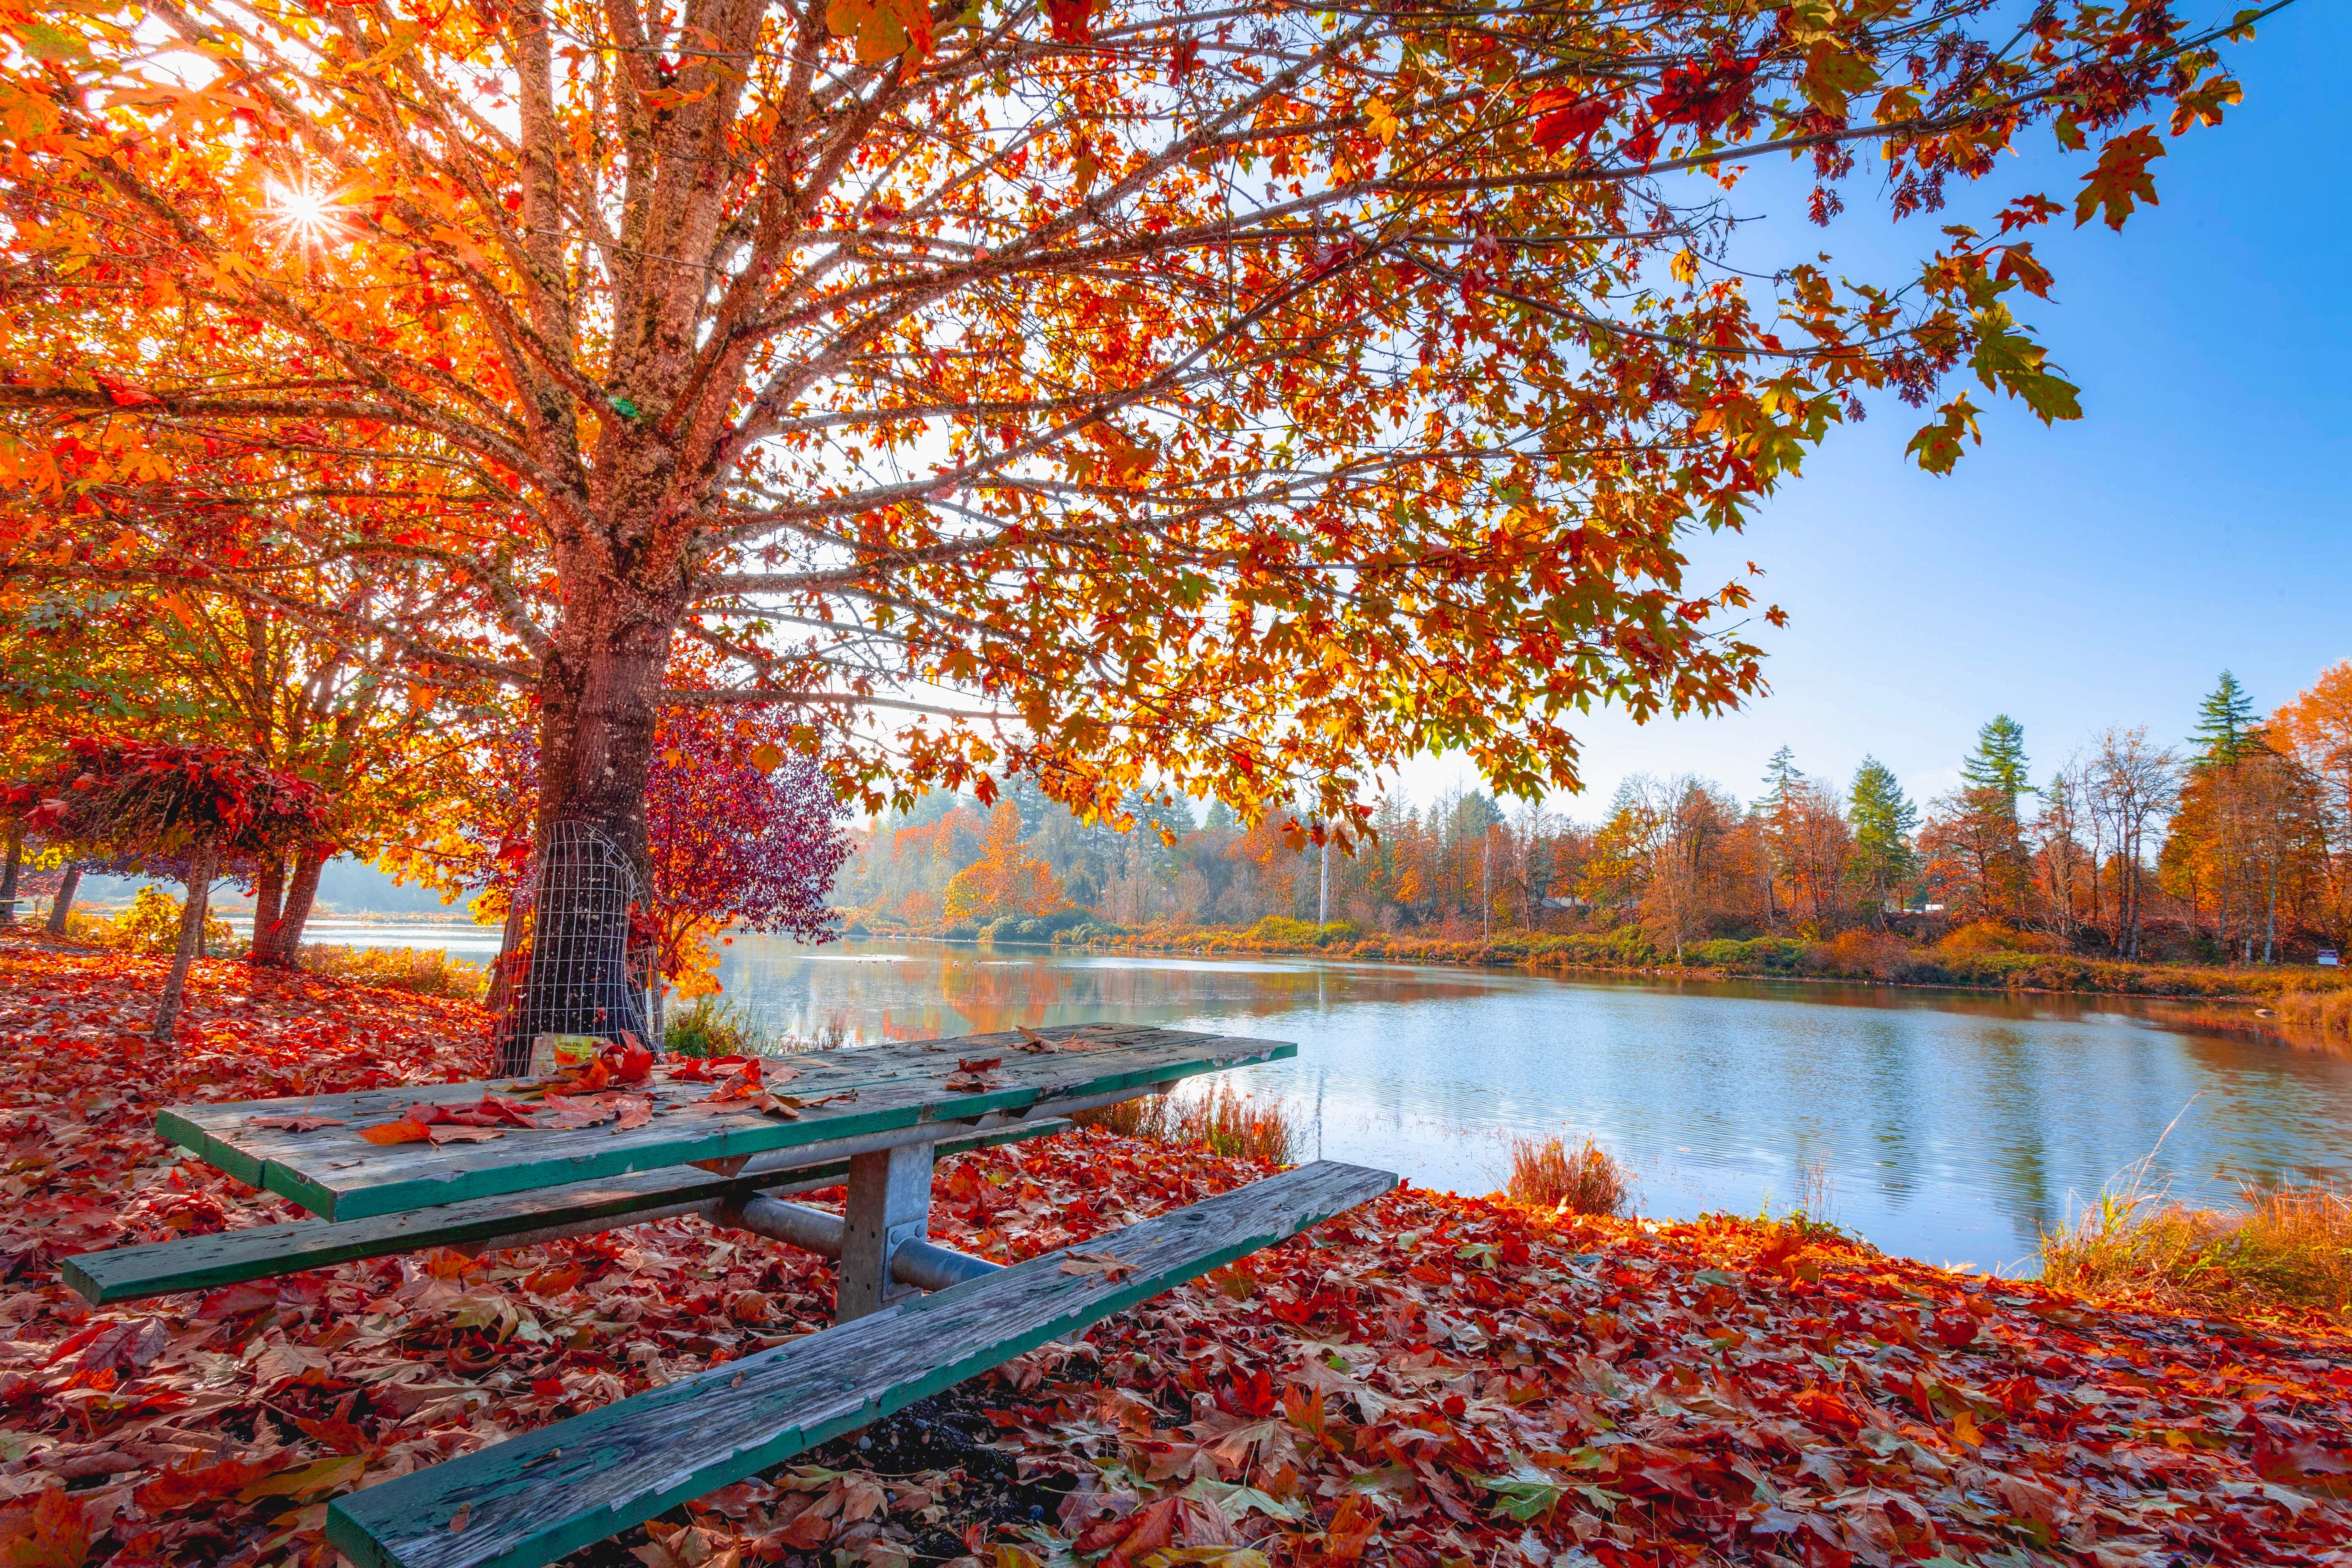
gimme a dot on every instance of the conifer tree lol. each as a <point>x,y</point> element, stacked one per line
<point>2226,729</point>
<point>1882,817</point>
<point>1780,772</point>
<point>1998,762</point>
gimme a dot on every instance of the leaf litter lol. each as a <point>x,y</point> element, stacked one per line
<point>1429,1381</point>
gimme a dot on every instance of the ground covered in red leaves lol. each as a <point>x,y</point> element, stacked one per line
<point>1430,1381</point>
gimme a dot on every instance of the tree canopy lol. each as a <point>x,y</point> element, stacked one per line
<point>1139,399</point>
<point>1115,391</point>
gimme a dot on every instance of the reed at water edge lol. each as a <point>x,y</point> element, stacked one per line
<point>1585,1179</point>
<point>2288,1247</point>
<point>2327,1013</point>
<point>1222,1121</point>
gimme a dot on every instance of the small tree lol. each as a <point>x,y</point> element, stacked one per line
<point>1973,855</point>
<point>185,811</point>
<point>740,831</point>
<point>1883,818</point>
<point>1006,880</point>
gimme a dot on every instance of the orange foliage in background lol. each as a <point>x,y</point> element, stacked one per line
<point>1006,880</point>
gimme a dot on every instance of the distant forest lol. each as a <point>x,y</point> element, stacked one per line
<point>2233,845</point>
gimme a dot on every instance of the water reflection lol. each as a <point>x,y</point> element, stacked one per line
<point>1951,1125</point>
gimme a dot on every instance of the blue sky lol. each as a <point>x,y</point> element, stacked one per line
<point>2098,572</point>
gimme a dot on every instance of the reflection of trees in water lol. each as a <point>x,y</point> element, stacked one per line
<point>1945,1116</point>
<point>995,995</point>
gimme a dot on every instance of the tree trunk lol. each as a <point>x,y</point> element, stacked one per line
<point>599,703</point>
<point>9,872</point>
<point>2270,920</point>
<point>67,887</point>
<point>300,889</point>
<point>191,933</point>
<point>268,895</point>
<point>2131,870</point>
<point>504,973</point>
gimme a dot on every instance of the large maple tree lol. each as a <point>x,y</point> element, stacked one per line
<point>1141,395</point>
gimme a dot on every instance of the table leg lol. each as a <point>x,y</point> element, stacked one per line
<point>889,1205</point>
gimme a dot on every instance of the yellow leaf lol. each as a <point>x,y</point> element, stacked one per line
<point>767,756</point>
<point>882,29</point>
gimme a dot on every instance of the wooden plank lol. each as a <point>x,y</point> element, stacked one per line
<point>335,1174</point>
<point>262,1252</point>
<point>530,1500</point>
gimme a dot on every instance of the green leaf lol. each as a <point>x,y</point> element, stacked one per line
<point>44,42</point>
<point>308,1480</point>
<point>1526,1492</point>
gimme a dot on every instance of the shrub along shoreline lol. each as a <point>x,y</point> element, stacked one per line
<point>1857,957</point>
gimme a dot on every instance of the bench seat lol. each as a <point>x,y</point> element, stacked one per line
<point>263,1251</point>
<point>528,1500</point>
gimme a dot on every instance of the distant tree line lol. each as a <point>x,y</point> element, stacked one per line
<point>2235,845</point>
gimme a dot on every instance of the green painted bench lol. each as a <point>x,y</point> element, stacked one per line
<point>530,1499</point>
<point>478,1224</point>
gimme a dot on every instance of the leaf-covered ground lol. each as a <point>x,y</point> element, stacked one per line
<point>1431,1380</point>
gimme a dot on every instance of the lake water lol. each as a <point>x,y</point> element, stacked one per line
<point>459,939</point>
<point>1950,1126</point>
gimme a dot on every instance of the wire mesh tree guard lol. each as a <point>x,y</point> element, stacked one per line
<point>569,967</point>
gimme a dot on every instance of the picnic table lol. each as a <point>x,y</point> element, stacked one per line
<point>510,1162</point>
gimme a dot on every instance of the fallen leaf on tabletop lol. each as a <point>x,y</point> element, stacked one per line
<point>789,1105</point>
<point>293,1124</point>
<point>1101,1263</point>
<point>401,1132</point>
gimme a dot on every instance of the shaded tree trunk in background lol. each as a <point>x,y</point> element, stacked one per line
<point>2270,919</point>
<point>510,960</point>
<point>8,873</point>
<point>269,896</point>
<point>201,867</point>
<point>67,887</point>
<point>301,889</point>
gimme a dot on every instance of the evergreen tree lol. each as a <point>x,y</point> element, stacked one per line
<point>1472,816</point>
<point>1998,762</point>
<point>1779,775</point>
<point>1220,818</point>
<point>2226,730</point>
<point>1882,817</point>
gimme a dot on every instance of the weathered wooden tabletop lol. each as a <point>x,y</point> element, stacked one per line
<point>856,1100</point>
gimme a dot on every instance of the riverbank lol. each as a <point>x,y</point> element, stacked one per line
<point>1433,1378</point>
<point>1859,957</point>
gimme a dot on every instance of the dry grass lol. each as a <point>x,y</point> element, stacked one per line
<point>1582,1180</point>
<point>2325,1012</point>
<point>422,970</point>
<point>1222,1121</point>
<point>2286,1248</point>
